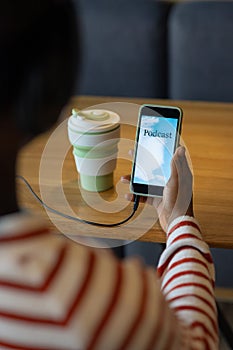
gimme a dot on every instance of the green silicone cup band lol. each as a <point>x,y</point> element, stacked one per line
<point>95,152</point>
<point>96,183</point>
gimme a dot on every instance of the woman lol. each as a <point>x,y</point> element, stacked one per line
<point>58,295</point>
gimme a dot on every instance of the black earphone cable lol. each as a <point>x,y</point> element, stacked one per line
<point>74,218</point>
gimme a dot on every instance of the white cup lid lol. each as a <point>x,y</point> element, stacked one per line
<point>94,120</point>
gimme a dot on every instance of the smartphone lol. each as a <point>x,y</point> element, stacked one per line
<point>157,137</point>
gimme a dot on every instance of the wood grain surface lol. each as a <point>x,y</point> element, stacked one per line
<point>207,132</point>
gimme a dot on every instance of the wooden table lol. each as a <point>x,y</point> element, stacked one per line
<point>208,135</point>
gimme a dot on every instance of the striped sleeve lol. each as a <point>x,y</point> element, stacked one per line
<point>56,295</point>
<point>187,276</point>
<point>135,315</point>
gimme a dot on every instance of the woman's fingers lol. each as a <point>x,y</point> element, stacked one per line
<point>131,153</point>
<point>183,200</point>
<point>174,175</point>
<point>125,179</point>
<point>143,199</point>
<point>129,197</point>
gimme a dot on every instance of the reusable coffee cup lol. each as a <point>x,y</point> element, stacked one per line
<point>94,135</point>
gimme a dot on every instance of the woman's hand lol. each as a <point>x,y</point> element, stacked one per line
<point>177,194</point>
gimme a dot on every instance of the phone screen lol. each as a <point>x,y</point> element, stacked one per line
<point>155,145</point>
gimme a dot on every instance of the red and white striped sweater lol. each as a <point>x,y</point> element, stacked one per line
<point>58,295</point>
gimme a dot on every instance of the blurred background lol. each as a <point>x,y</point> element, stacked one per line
<point>179,50</point>
<point>157,49</point>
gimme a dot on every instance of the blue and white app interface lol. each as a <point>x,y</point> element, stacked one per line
<point>156,142</point>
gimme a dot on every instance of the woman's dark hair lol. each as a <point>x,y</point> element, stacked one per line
<point>38,60</point>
